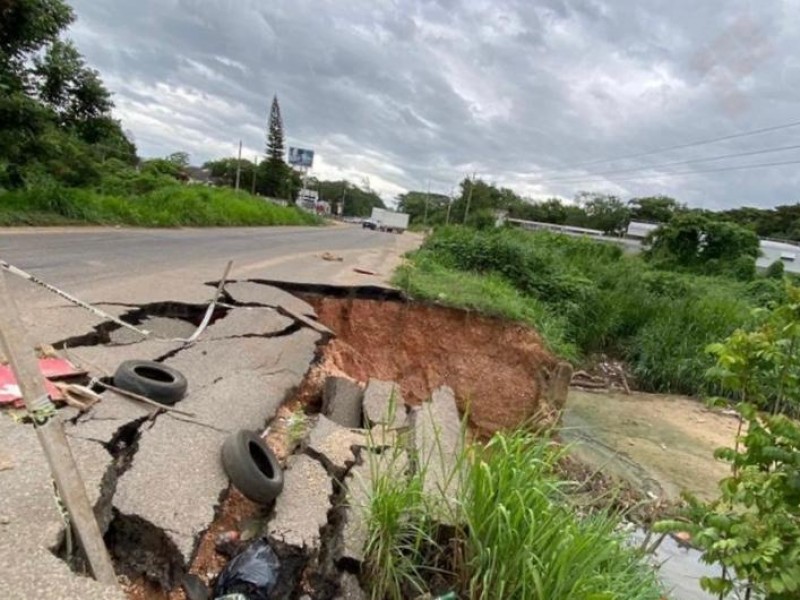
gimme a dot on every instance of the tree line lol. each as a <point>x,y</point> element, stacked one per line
<point>478,202</point>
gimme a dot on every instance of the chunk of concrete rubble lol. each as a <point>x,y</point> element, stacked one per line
<point>334,444</point>
<point>249,292</point>
<point>301,510</point>
<point>341,401</point>
<point>350,588</point>
<point>31,524</point>
<point>438,441</point>
<point>383,404</point>
<point>392,463</point>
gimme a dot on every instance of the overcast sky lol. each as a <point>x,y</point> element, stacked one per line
<point>519,91</point>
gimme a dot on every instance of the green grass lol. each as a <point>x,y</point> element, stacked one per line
<point>517,535</point>
<point>489,294</point>
<point>587,297</point>
<point>167,206</point>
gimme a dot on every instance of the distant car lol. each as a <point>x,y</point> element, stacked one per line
<point>370,224</point>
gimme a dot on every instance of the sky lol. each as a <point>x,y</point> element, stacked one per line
<point>535,95</point>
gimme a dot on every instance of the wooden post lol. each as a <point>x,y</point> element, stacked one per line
<point>19,351</point>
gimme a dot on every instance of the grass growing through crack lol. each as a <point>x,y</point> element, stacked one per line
<point>517,535</point>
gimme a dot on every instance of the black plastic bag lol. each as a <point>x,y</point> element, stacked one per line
<point>253,573</point>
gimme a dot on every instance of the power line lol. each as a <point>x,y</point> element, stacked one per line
<point>697,172</point>
<point>687,145</point>
<point>674,164</point>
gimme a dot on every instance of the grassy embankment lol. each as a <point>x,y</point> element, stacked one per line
<point>172,205</point>
<point>587,297</point>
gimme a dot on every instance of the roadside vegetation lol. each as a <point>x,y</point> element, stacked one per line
<point>65,159</point>
<point>657,312</point>
<point>516,536</point>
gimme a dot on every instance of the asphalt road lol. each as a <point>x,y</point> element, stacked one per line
<point>81,258</point>
<point>108,266</point>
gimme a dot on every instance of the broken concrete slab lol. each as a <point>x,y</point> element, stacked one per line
<point>334,444</point>
<point>392,463</point>
<point>175,481</point>
<point>240,383</point>
<point>301,510</point>
<point>341,401</point>
<point>249,292</point>
<point>247,321</point>
<point>27,499</point>
<point>383,404</point>
<point>438,441</point>
<point>350,588</point>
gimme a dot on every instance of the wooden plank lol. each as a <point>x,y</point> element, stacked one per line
<point>50,430</point>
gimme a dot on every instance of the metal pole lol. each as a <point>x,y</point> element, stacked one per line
<point>239,166</point>
<point>449,206</point>
<point>50,431</point>
<point>344,192</point>
<point>255,165</point>
<point>469,198</point>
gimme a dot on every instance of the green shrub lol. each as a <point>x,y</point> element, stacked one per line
<point>775,270</point>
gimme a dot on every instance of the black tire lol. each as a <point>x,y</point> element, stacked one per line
<point>252,467</point>
<point>153,380</point>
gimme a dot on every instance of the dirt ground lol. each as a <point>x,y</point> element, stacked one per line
<point>660,442</point>
<point>495,367</point>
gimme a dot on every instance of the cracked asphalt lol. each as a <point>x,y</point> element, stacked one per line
<point>239,373</point>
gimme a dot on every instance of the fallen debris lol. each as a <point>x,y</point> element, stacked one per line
<point>302,509</point>
<point>364,271</point>
<point>341,401</point>
<point>383,404</point>
<point>438,439</point>
<point>331,257</point>
<point>334,445</point>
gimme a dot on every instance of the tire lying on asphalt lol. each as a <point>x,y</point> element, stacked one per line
<point>153,380</point>
<point>252,467</point>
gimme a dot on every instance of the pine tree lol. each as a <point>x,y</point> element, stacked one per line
<point>275,132</point>
<point>275,172</point>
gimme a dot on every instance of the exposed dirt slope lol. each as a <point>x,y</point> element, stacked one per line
<point>495,367</point>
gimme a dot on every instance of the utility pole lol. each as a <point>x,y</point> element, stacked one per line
<point>469,198</point>
<point>449,206</point>
<point>49,428</point>
<point>239,166</point>
<point>427,199</point>
<point>344,192</point>
<point>255,165</point>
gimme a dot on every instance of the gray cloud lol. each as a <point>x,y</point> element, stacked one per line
<point>418,90</point>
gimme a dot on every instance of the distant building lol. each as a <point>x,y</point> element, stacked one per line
<point>197,175</point>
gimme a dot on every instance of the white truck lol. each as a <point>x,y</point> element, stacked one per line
<point>387,220</point>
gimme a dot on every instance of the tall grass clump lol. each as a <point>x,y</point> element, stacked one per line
<point>526,541</point>
<point>172,205</point>
<point>511,532</point>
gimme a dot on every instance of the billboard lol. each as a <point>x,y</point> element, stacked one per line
<point>301,157</point>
